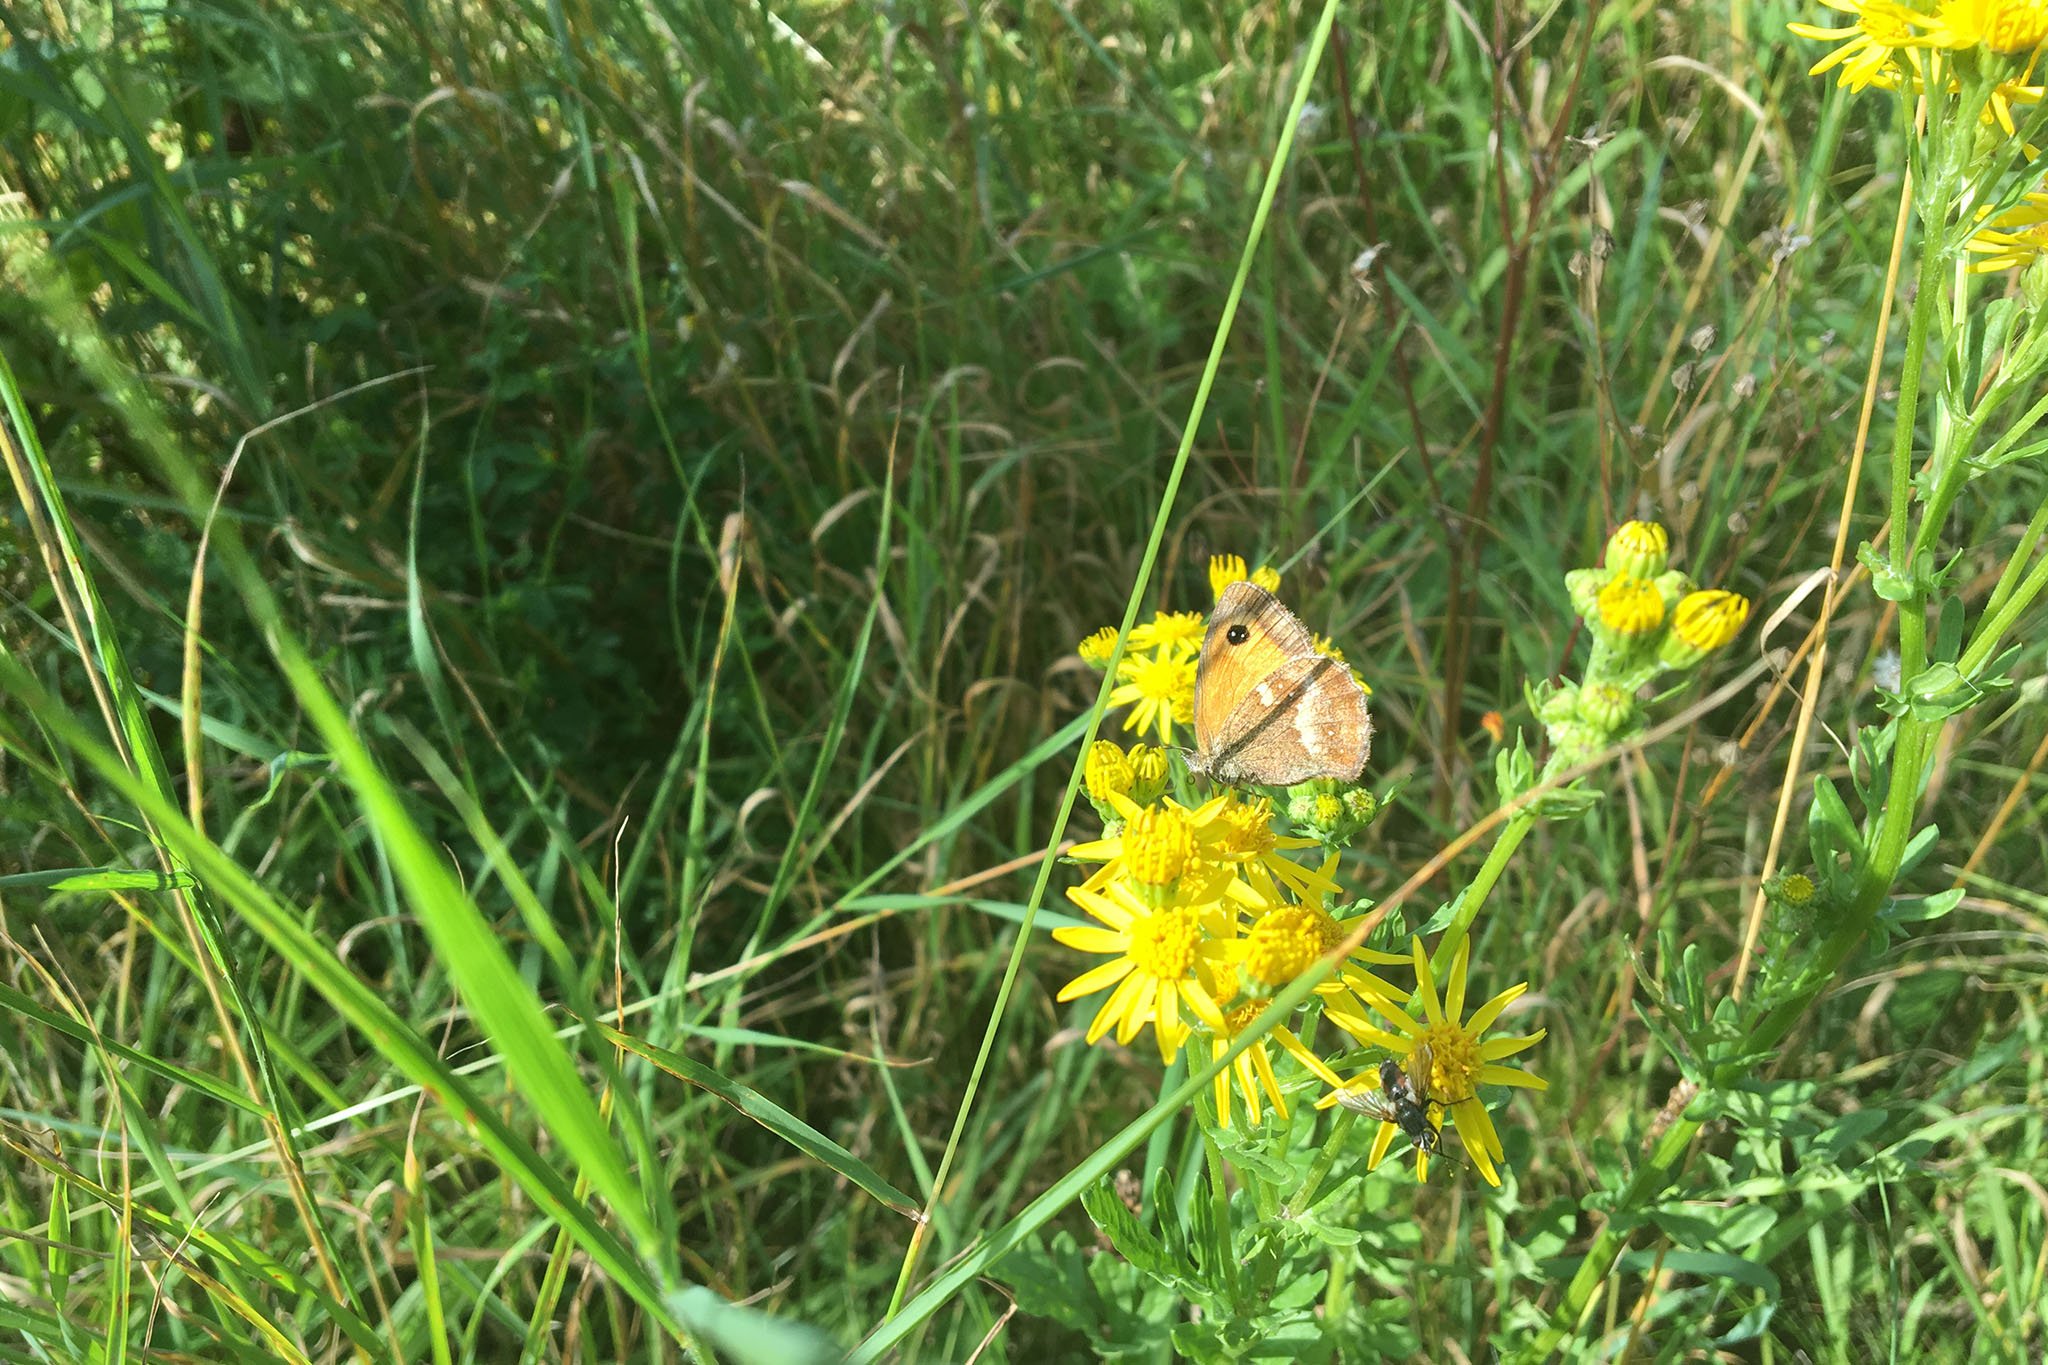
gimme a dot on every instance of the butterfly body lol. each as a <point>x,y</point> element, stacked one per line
<point>1269,709</point>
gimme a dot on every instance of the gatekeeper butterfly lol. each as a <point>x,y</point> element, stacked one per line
<point>1269,710</point>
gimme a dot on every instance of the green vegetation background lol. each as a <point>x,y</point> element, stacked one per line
<point>651,300</point>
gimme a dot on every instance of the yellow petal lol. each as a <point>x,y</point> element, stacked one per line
<point>1490,1011</point>
<point>1144,992</point>
<point>1493,1049</point>
<point>1102,907</point>
<point>1203,1004</point>
<point>1477,1127</point>
<point>1507,1075</point>
<point>1089,939</point>
<point>1425,985</point>
<point>1095,978</point>
<point>1380,1142</point>
<point>1264,1066</point>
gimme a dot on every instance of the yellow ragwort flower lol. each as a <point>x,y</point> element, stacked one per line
<point>1883,30</point>
<point>1227,569</point>
<point>1631,606</point>
<point>1159,854</point>
<point>1170,631</point>
<point>1291,937</point>
<point>1096,649</point>
<point>1447,1061</point>
<point>1160,690</point>
<point>2003,26</point>
<point>1239,833</point>
<point>1163,961</point>
<point>2014,238</point>
<point>1253,1067</point>
<point>1638,549</point>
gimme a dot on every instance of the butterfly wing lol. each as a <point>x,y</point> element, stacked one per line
<point>1250,638</point>
<point>1307,719</point>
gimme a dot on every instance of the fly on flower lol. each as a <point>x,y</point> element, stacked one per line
<point>1447,1058</point>
<point>1401,1100</point>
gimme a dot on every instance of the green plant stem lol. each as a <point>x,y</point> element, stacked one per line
<point>1226,1267</point>
<point>2015,566</point>
<point>1319,1170</point>
<point>1311,61</point>
<point>1910,755</point>
<point>1652,1177</point>
<point>1994,627</point>
<point>1474,900</point>
<point>1927,294</point>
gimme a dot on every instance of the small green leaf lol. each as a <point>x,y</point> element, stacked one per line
<point>1513,770</point>
<point>1884,581</point>
<point>80,879</point>
<point>1830,830</point>
<point>1948,629</point>
<point>750,1336</point>
<point>1920,909</point>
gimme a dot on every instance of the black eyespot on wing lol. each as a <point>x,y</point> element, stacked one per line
<point>1237,634</point>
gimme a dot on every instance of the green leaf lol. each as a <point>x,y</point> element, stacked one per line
<point>748,1335</point>
<point>1514,771</point>
<point>1130,1238</point>
<point>1830,830</point>
<point>1920,909</point>
<point>79,879</point>
<point>1884,580</point>
<point>768,1114</point>
<point>1948,629</point>
<point>1836,1144</point>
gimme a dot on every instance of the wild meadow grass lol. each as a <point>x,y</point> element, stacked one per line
<point>577,575</point>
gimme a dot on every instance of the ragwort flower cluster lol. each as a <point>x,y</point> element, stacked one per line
<point>1203,913</point>
<point>1981,60</point>
<point>1646,619</point>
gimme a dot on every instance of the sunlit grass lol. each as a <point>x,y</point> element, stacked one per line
<point>628,744</point>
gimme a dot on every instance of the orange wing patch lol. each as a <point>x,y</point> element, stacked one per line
<point>1251,637</point>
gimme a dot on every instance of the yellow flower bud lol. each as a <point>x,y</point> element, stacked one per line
<point>1149,766</point>
<point>1361,805</point>
<point>2004,26</point>
<point>1795,888</point>
<point>1605,707</point>
<point>1631,606</point>
<point>1107,773</point>
<point>1638,549</point>
<point>1703,623</point>
<point>1158,846</point>
<point>1096,649</point>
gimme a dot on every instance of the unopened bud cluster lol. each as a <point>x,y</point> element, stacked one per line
<point>1646,619</point>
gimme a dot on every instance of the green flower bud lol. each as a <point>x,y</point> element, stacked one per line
<point>1606,709</point>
